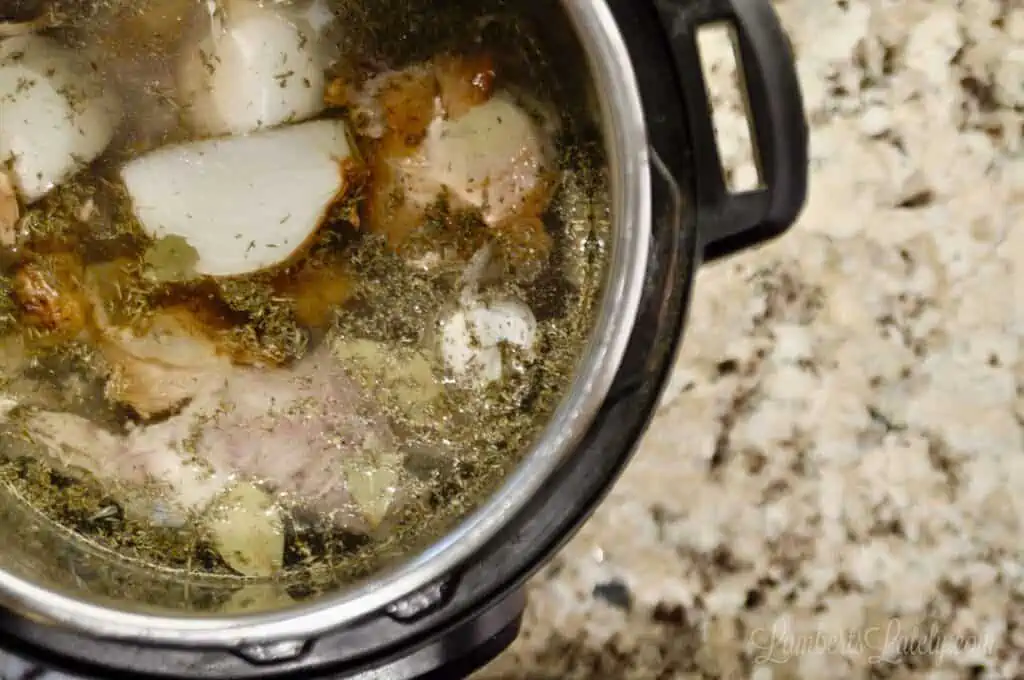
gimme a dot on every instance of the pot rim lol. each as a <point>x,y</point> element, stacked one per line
<point>625,135</point>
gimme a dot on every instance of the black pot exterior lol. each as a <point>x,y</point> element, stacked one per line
<point>466,621</point>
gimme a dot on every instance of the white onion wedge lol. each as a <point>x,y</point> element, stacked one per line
<point>256,66</point>
<point>56,115</point>
<point>243,203</point>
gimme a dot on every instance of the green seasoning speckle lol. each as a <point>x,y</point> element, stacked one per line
<point>272,330</point>
<point>8,309</point>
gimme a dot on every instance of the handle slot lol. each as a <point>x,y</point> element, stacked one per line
<point>718,49</point>
<point>731,221</point>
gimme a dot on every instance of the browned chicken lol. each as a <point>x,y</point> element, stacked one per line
<point>50,293</point>
<point>443,131</point>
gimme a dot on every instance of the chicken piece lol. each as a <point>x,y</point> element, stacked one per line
<point>464,82</point>
<point>160,361</point>
<point>478,150</point>
<point>292,428</point>
<point>400,103</point>
<point>157,363</point>
<point>396,108</point>
<point>401,192</point>
<point>493,158</point>
<point>50,294</point>
<point>405,102</point>
<point>306,433</point>
<point>74,443</point>
<point>129,469</point>
<point>167,362</point>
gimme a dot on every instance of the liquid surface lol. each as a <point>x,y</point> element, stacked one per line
<point>285,295</point>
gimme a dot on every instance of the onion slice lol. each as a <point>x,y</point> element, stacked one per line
<point>55,114</point>
<point>243,203</point>
<point>256,67</point>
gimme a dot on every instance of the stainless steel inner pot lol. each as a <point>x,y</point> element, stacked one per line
<point>33,584</point>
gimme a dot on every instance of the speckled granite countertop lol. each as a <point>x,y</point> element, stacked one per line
<point>834,486</point>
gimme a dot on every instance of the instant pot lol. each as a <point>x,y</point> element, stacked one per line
<point>453,608</point>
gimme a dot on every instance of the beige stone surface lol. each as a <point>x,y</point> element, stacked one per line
<point>834,485</point>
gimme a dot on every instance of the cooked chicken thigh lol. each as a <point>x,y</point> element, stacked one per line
<point>301,432</point>
<point>444,130</point>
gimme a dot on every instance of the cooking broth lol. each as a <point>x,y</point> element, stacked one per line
<point>290,316</point>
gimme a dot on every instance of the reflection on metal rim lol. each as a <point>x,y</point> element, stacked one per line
<point>626,144</point>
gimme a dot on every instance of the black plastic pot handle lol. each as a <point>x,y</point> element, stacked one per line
<point>727,221</point>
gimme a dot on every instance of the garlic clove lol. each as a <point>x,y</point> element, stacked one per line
<point>256,66</point>
<point>506,321</point>
<point>57,116</point>
<point>471,338</point>
<point>242,203</point>
<point>464,355</point>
